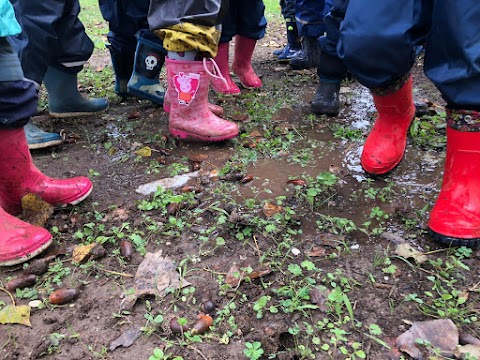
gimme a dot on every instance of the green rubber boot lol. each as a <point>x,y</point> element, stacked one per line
<point>64,99</point>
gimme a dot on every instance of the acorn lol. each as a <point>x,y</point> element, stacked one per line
<point>173,208</point>
<point>20,282</point>
<point>297,182</point>
<point>202,325</point>
<point>246,179</point>
<point>208,307</point>
<point>37,267</point>
<point>187,189</point>
<point>98,252</point>
<point>63,296</point>
<point>126,249</point>
<point>176,327</point>
<point>195,165</point>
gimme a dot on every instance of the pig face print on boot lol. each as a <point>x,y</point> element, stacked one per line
<point>19,176</point>
<point>190,115</point>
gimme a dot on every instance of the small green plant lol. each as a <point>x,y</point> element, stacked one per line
<point>428,132</point>
<point>347,133</point>
<point>159,354</point>
<point>253,351</point>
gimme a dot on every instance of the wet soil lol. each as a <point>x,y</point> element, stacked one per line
<point>103,147</point>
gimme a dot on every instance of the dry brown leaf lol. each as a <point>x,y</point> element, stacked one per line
<point>35,210</point>
<point>406,251</point>
<point>319,297</point>
<point>81,252</point>
<point>235,275</point>
<point>316,251</point>
<point>198,157</point>
<point>239,117</point>
<point>119,214</point>
<point>126,339</point>
<point>270,209</point>
<point>156,275</point>
<point>255,134</point>
<point>473,352</point>
<point>441,333</point>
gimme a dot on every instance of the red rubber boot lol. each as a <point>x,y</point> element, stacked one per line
<point>216,109</point>
<point>190,116</point>
<point>20,241</point>
<point>219,86</point>
<point>385,145</point>
<point>242,63</point>
<point>455,217</point>
<point>19,176</point>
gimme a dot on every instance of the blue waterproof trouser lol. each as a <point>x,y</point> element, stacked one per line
<point>331,67</point>
<point>378,39</point>
<point>288,9</point>
<point>18,96</point>
<point>309,16</point>
<point>52,36</point>
<point>245,18</point>
<point>125,19</point>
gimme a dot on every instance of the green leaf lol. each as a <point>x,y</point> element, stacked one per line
<point>295,269</point>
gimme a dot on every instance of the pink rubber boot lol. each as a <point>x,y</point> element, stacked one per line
<point>219,86</point>
<point>19,176</point>
<point>188,83</point>
<point>20,241</point>
<point>242,63</point>
<point>217,110</point>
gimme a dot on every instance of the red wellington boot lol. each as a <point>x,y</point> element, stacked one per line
<point>19,176</point>
<point>218,85</point>
<point>190,116</point>
<point>242,63</point>
<point>455,218</point>
<point>217,110</point>
<point>20,241</point>
<point>385,145</point>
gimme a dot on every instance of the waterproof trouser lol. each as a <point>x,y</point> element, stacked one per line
<point>52,36</point>
<point>125,20</point>
<point>245,18</point>
<point>309,16</point>
<point>380,52</point>
<point>18,97</point>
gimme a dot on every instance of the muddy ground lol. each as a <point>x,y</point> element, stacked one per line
<point>334,286</point>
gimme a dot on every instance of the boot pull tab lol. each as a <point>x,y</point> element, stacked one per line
<point>216,70</point>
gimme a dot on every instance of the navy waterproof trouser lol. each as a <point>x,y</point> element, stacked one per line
<point>245,18</point>
<point>126,19</point>
<point>18,96</point>
<point>331,67</point>
<point>378,38</point>
<point>52,36</point>
<point>309,16</point>
<point>288,9</point>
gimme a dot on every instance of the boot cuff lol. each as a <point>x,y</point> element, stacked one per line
<point>463,120</point>
<point>392,87</point>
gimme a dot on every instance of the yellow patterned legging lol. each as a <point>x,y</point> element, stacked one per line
<point>187,36</point>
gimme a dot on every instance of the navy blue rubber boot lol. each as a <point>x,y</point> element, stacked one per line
<point>308,56</point>
<point>64,99</point>
<point>293,42</point>
<point>144,82</point>
<point>39,139</point>
<point>123,67</point>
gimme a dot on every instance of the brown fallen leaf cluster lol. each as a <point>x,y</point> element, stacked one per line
<point>236,275</point>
